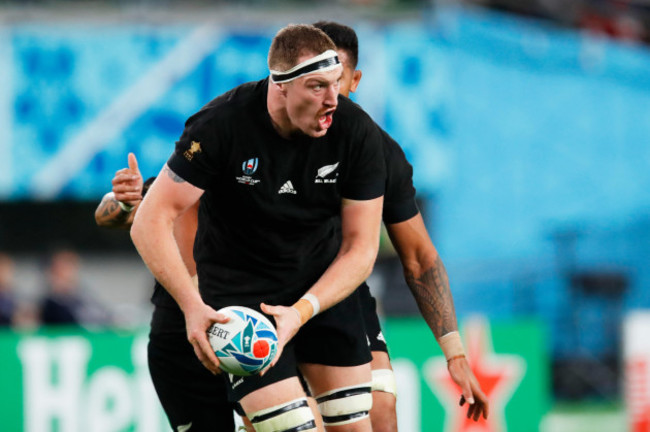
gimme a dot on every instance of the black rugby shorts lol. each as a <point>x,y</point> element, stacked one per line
<point>371,320</point>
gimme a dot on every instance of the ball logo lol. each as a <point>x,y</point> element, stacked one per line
<point>246,344</point>
<point>249,166</point>
<point>218,332</point>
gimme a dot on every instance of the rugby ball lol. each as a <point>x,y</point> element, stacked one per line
<point>246,344</point>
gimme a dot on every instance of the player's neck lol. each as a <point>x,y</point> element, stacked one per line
<point>278,114</point>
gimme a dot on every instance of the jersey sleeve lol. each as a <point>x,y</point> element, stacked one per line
<point>367,173</point>
<point>399,199</point>
<point>197,150</point>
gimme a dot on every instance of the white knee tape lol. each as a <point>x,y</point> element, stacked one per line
<point>345,405</point>
<point>383,380</point>
<point>291,416</point>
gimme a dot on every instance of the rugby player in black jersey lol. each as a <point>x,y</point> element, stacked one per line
<point>281,167</point>
<point>407,232</point>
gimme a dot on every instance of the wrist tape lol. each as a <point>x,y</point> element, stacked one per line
<point>307,307</point>
<point>451,345</point>
<point>125,207</point>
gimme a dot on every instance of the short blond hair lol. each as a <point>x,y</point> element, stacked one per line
<point>294,41</point>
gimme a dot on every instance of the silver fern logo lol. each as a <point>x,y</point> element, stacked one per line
<point>326,171</point>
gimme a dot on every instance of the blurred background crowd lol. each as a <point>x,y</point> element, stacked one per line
<point>61,300</point>
<point>526,121</point>
<point>628,20</point>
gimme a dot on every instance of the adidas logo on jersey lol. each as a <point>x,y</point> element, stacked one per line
<point>287,188</point>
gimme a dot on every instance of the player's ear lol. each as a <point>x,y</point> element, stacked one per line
<point>356,77</point>
<point>282,88</point>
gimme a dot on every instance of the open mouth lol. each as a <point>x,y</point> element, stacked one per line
<point>325,121</point>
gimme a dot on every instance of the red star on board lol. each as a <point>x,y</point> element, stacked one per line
<point>498,375</point>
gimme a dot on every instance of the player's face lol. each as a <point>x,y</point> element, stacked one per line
<point>350,78</point>
<point>311,101</point>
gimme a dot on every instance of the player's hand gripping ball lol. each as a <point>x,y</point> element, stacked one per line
<point>246,344</point>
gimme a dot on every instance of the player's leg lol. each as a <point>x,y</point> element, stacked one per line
<point>342,394</point>
<point>312,402</point>
<point>333,353</point>
<point>312,405</point>
<point>191,396</point>
<point>275,402</point>
<point>383,415</point>
<point>281,406</point>
<point>317,415</point>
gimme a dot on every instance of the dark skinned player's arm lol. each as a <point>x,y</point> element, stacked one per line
<point>110,214</point>
<point>427,278</point>
<point>425,274</point>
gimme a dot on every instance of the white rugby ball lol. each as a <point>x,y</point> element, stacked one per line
<point>246,344</point>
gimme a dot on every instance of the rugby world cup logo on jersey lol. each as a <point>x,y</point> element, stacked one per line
<point>327,174</point>
<point>248,167</point>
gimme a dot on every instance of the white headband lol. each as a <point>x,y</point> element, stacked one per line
<point>324,62</point>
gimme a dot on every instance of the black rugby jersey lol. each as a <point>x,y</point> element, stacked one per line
<point>399,198</point>
<point>269,216</point>
<point>399,201</point>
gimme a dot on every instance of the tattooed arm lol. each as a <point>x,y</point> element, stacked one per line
<point>426,276</point>
<point>109,214</point>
